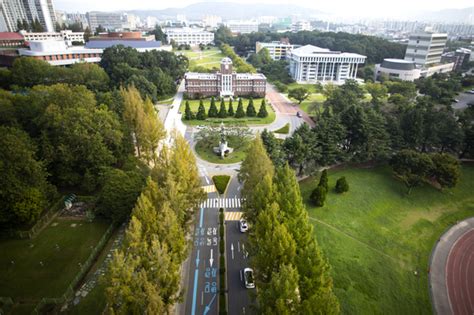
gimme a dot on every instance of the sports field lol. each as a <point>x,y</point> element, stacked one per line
<point>378,239</point>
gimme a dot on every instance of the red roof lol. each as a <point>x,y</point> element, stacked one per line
<point>10,36</point>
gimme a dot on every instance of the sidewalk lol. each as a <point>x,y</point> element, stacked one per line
<point>438,262</point>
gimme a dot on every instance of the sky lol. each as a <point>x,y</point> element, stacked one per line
<point>353,8</point>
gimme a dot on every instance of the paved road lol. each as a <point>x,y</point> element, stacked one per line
<point>446,261</point>
<point>202,289</point>
<point>464,99</point>
<point>239,300</point>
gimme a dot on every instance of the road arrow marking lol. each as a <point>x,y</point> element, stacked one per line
<point>208,306</point>
<point>197,258</point>
<point>232,249</point>
<point>211,260</point>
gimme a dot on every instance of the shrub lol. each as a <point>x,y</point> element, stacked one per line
<point>240,113</point>
<point>318,196</point>
<point>262,112</point>
<point>222,246</point>
<point>341,185</point>
<point>230,112</point>
<point>188,114</point>
<point>282,88</point>
<point>212,112</point>
<point>223,110</point>
<point>201,114</point>
<point>251,109</point>
<point>221,181</point>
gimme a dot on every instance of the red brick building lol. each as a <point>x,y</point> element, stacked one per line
<point>225,82</point>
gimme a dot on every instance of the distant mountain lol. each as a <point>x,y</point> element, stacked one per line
<point>229,10</point>
<point>465,15</point>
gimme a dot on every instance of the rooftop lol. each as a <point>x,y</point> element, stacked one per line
<point>310,50</point>
<point>102,44</point>
<point>10,36</point>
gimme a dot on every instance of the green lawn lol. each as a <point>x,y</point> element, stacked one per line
<point>221,181</point>
<point>207,153</point>
<point>283,130</point>
<point>194,104</point>
<point>375,237</point>
<point>27,279</point>
<point>208,58</point>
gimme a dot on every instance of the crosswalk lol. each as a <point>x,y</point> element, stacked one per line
<point>209,188</point>
<point>234,203</point>
<point>233,215</point>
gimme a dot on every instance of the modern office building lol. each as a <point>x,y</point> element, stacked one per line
<point>242,27</point>
<point>310,64</point>
<point>12,11</point>
<point>278,50</point>
<point>211,20</point>
<point>225,82</point>
<point>401,69</point>
<point>66,35</point>
<point>188,36</point>
<point>462,58</point>
<point>57,53</point>
<point>425,48</point>
<point>111,21</point>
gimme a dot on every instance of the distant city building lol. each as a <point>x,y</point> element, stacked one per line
<point>12,11</point>
<point>426,48</point>
<point>225,82</point>
<point>310,64</point>
<point>242,27</point>
<point>151,21</point>
<point>66,35</point>
<point>401,69</point>
<point>80,18</point>
<point>278,50</point>
<point>438,68</point>
<point>188,36</point>
<point>109,20</point>
<point>212,20</point>
<point>131,21</point>
<point>301,26</point>
<point>57,53</point>
<point>462,58</point>
<point>11,39</point>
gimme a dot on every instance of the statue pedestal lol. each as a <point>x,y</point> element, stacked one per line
<point>222,150</point>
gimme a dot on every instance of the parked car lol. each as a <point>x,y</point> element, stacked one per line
<point>470,92</point>
<point>298,114</point>
<point>248,278</point>
<point>243,225</point>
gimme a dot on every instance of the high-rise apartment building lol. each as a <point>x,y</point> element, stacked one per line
<point>426,48</point>
<point>12,11</point>
<point>109,20</point>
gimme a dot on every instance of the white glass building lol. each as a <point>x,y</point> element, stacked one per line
<point>188,36</point>
<point>310,64</point>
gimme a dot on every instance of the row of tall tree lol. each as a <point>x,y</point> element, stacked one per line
<point>291,274</point>
<point>225,111</point>
<point>144,274</point>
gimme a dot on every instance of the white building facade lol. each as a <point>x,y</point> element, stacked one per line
<point>311,64</point>
<point>301,26</point>
<point>401,69</point>
<point>278,50</point>
<point>426,49</point>
<point>242,27</point>
<point>12,11</point>
<point>66,35</point>
<point>189,36</point>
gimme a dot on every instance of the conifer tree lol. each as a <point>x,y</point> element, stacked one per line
<point>323,181</point>
<point>201,114</point>
<point>251,109</point>
<point>240,113</point>
<point>262,112</point>
<point>188,114</point>
<point>222,110</point>
<point>230,112</point>
<point>212,112</point>
<point>318,196</point>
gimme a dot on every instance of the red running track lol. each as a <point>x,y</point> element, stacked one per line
<point>460,275</point>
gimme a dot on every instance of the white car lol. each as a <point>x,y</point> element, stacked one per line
<point>248,278</point>
<point>243,226</point>
<point>470,92</point>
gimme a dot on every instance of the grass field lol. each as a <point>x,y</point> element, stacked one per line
<point>207,153</point>
<point>375,237</point>
<point>208,58</point>
<point>194,104</point>
<point>27,279</point>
